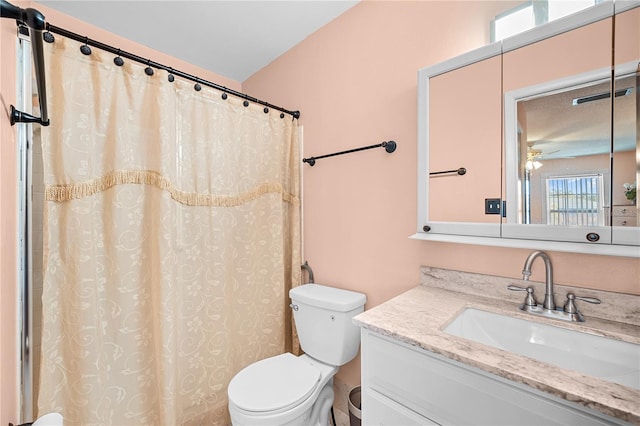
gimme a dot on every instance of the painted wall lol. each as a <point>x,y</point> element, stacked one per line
<point>9,352</point>
<point>354,81</point>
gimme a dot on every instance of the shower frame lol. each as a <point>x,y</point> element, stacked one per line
<point>25,284</point>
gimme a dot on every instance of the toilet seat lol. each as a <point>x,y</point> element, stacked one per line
<point>274,384</point>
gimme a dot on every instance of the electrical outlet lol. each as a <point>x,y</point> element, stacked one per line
<point>492,206</point>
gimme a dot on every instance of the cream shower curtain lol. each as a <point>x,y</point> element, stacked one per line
<point>171,239</point>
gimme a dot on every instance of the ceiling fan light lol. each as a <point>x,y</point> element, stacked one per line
<point>533,165</point>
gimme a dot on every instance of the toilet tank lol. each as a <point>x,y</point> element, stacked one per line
<point>323,316</point>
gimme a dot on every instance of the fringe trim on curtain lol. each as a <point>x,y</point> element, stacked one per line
<point>67,192</point>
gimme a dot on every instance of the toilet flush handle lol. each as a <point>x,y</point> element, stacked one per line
<point>294,307</point>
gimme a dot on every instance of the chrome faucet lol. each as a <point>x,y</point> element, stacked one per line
<point>549,301</point>
<point>548,309</point>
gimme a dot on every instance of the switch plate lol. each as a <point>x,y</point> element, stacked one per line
<point>492,206</point>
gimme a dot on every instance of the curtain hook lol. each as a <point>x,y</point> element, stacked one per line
<point>85,49</point>
<point>197,86</point>
<point>224,95</point>
<point>118,60</point>
<point>170,77</point>
<point>148,70</point>
<point>266,110</point>
<point>245,103</point>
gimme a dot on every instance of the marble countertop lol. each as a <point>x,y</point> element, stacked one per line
<point>418,316</point>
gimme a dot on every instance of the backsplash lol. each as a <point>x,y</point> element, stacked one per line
<point>618,307</point>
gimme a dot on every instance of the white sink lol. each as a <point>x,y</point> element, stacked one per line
<point>609,359</point>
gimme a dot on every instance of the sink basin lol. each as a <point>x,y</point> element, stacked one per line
<point>609,359</point>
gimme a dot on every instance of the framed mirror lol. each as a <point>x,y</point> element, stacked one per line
<point>625,214</point>
<point>569,148</point>
<point>460,144</point>
<point>557,146</point>
<point>571,144</point>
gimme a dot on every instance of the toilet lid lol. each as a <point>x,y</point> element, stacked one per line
<point>274,383</point>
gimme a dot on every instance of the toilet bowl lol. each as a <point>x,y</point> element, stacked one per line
<point>298,390</point>
<point>282,390</point>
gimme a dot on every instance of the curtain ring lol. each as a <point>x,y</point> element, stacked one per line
<point>48,37</point>
<point>245,103</point>
<point>197,86</point>
<point>85,49</point>
<point>118,60</point>
<point>170,77</point>
<point>148,70</point>
<point>224,95</point>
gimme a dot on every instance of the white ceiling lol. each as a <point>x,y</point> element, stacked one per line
<point>233,38</point>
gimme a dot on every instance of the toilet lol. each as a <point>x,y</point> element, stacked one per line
<point>298,390</point>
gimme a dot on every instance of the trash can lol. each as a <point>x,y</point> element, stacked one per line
<point>355,406</point>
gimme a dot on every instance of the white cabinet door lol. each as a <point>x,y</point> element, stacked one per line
<point>404,384</point>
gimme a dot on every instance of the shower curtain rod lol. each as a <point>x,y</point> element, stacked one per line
<point>36,23</point>
<point>149,63</point>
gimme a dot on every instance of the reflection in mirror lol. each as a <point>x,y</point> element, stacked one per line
<point>626,152</point>
<point>564,141</point>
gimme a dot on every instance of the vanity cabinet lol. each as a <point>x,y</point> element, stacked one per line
<point>403,384</point>
<point>624,215</point>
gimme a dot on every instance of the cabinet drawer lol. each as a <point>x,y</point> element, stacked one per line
<point>624,221</point>
<point>384,411</point>
<point>624,211</point>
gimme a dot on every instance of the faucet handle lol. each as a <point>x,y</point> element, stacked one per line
<point>530,300</point>
<point>570,306</point>
<point>593,300</point>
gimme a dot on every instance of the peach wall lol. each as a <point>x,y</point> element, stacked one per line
<point>9,387</point>
<point>354,81</point>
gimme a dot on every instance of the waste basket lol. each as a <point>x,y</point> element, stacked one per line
<point>355,406</point>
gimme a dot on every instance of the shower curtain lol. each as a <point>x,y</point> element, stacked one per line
<point>171,240</point>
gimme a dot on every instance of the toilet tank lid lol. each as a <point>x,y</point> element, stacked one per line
<point>326,297</point>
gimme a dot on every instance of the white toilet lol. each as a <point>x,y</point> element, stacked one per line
<point>290,390</point>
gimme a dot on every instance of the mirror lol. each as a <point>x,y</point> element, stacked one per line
<point>570,149</point>
<point>564,141</point>
<point>565,121</point>
<point>460,145</point>
<point>625,151</point>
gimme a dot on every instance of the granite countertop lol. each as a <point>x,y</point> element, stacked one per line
<point>418,316</point>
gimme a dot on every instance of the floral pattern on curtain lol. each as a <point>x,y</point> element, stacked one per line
<point>171,240</point>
